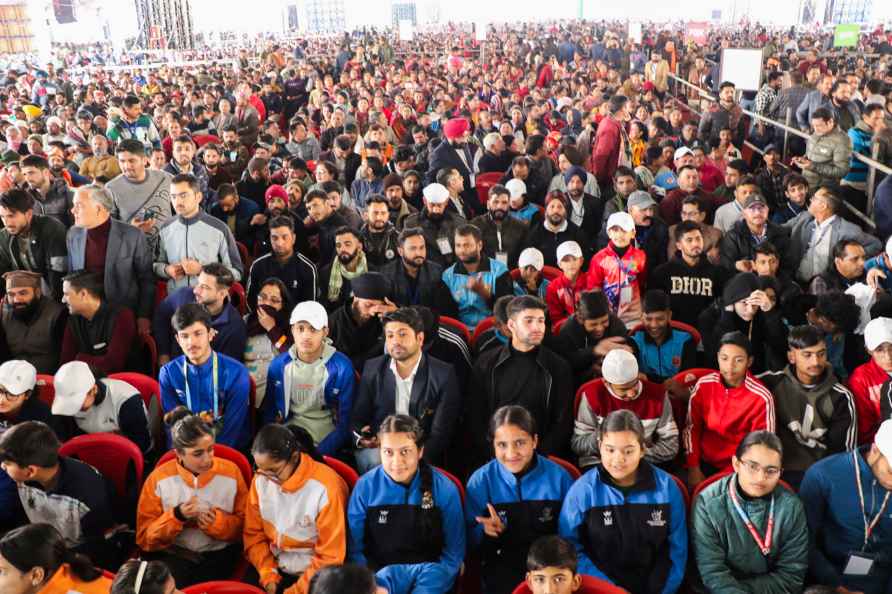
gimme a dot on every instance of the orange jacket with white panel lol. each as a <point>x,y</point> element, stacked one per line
<point>169,485</point>
<point>296,527</point>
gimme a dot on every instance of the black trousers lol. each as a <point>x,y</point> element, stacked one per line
<point>189,569</point>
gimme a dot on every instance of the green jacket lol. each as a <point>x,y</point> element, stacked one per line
<point>727,556</point>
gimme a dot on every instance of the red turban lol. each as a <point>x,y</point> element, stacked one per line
<point>455,128</point>
<point>276,191</point>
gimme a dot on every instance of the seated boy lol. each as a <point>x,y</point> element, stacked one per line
<point>663,350</point>
<point>531,281</point>
<point>551,567</point>
<point>564,291</point>
<point>619,269</point>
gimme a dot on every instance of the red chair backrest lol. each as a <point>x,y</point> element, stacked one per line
<point>225,452</point>
<point>245,255</point>
<point>160,292</point>
<point>46,390</point>
<point>719,476</point>
<point>590,585</point>
<point>112,455</point>
<point>575,473</point>
<point>587,386</point>
<point>237,294</point>
<point>454,479</point>
<point>684,491</point>
<point>484,325</point>
<point>458,326</point>
<point>150,391</point>
<point>689,377</point>
<point>222,588</point>
<point>349,475</point>
<point>484,183</point>
<point>695,334</point>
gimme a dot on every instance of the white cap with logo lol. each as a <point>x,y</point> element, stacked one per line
<point>531,257</point>
<point>17,376</point>
<point>311,312</point>
<point>516,187</point>
<point>72,382</point>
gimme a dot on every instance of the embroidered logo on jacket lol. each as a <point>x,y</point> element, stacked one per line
<point>608,518</point>
<point>656,519</point>
<point>382,516</point>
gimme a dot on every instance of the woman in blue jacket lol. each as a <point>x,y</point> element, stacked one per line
<point>405,517</point>
<point>627,517</point>
<point>512,500</point>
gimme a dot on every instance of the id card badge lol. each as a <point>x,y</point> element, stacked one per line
<point>625,295</point>
<point>502,257</point>
<point>859,564</point>
<point>444,245</point>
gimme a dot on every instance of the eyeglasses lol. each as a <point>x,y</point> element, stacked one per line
<point>269,299</point>
<point>756,468</point>
<point>8,396</point>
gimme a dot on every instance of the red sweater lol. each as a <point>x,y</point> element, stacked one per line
<point>865,383</point>
<point>719,418</point>
<point>561,296</point>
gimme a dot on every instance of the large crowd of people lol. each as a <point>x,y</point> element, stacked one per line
<point>529,315</point>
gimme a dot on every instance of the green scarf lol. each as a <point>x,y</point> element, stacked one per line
<point>339,273</point>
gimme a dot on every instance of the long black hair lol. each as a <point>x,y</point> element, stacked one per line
<point>431,529</point>
<point>281,442</point>
<point>186,428</point>
<point>41,545</point>
<point>154,578</point>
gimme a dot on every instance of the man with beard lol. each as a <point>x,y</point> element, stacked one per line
<point>525,373</point>
<point>723,114</point>
<point>414,279</point>
<point>437,223</point>
<point>33,324</point>
<point>183,162</point>
<point>408,381</point>
<point>398,208</point>
<point>624,183</point>
<point>52,196</point>
<point>815,412</point>
<point>100,163</point>
<point>451,179</point>
<point>295,270</point>
<point>348,263</point>
<point>211,292</point>
<point>322,223</point>
<point>212,157</point>
<point>589,334</point>
<point>62,168</point>
<point>503,235</point>
<point>689,278</point>
<point>380,239</point>
<point>455,153</point>
<point>355,328</point>
<point>31,242</point>
<point>586,211</point>
<point>255,181</point>
<point>234,155</point>
<point>555,229</point>
<point>475,282</point>
<point>739,243</point>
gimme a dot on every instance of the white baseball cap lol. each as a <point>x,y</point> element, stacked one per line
<point>681,152</point>
<point>876,332</point>
<point>17,376</point>
<point>436,193</point>
<point>311,312</point>
<point>883,439</point>
<point>72,382</point>
<point>623,220</point>
<point>568,248</point>
<point>531,257</point>
<point>516,187</point>
<point>619,367</point>
<point>889,247</point>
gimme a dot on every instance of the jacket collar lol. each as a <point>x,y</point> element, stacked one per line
<point>533,472</point>
<point>198,480</point>
<point>644,478</point>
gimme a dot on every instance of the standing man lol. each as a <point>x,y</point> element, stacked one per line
<point>723,114</point>
<point>455,153</point>
<point>611,146</point>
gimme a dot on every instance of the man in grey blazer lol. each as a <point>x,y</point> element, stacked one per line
<point>814,232</point>
<point>115,250</point>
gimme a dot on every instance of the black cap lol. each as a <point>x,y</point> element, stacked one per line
<point>371,285</point>
<point>740,287</point>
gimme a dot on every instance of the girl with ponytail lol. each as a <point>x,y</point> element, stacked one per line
<point>34,559</point>
<point>294,519</point>
<point>405,517</point>
<point>191,510</point>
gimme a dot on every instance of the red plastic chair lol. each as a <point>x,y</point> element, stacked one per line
<point>575,473</point>
<point>225,452</point>
<point>689,377</point>
<point>485,182</point>
<point>112,455</point>
<point>160,292</point>
<point>46,390</point>
<point>349,475</point>
<point>245,255</point>
<point>150,391</point>
<point>238,297</point>
<point>454,479</point>
<point>695,334</point>
<point>685,494</point>
<point>484,325</point>
<point>590,585</point>
<point>549,272</point>
<point>458,326</point>
<point>222,588</point>
<point>589,385</point>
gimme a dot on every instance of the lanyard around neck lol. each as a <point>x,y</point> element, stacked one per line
<point>763,544</point>
<point>215,380</point>
<point>869,525</point>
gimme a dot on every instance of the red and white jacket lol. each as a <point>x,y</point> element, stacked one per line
<point>621,280</point>
<point>720,417</point>
<point>865,383</point>
<point>562,295</point>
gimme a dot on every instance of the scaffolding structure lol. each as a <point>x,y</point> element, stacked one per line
<point>165,24</point>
